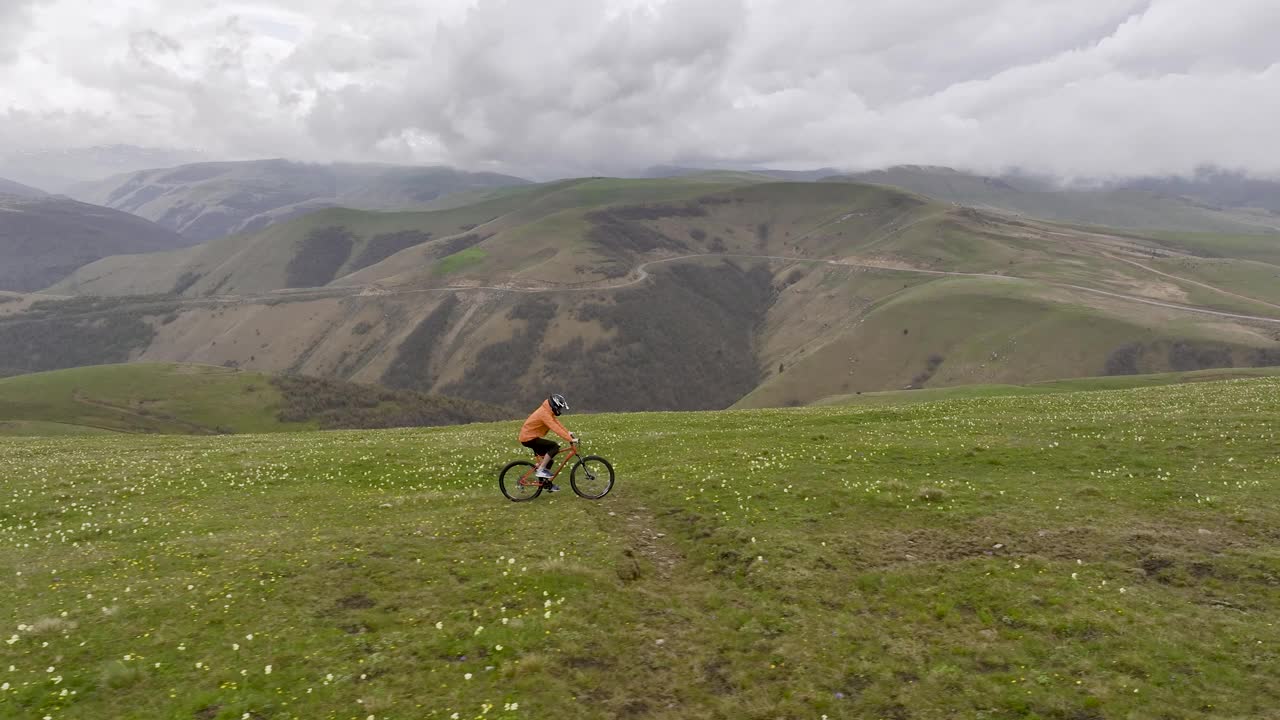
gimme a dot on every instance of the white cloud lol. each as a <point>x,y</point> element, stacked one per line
<point>1077,87</point>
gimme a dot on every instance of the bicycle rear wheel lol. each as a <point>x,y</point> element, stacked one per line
<point>592,477</point>
<point>518,482</point>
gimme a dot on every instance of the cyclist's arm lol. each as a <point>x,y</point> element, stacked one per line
<point>559,428</point>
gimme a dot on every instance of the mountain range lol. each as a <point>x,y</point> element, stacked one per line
<point>701,291</point>
<point>57,170</point>
<point>207,201</point>
<point>1214,202</point>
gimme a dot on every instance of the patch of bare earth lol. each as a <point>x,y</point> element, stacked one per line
<point>647,549</point>
<point>1171,555</point>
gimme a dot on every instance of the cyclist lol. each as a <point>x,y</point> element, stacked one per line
<point>542,421</point>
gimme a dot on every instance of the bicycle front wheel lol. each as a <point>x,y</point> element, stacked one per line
<point>592,477</point>
<point>518,481</point>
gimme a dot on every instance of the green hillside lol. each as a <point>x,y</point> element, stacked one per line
<point>204,400</point>
<point>310,251</point>
<point>207,201</point>
<point>763,293</point>
<point>1074,555</point>
<point>1117,207</point>
<point>1119,382</point>
<point>979,331</point>
<point>521,227</point>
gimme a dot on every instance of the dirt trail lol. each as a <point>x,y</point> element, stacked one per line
<point>645,543</point>
<point>1189,281</point>
<point>662,635</point>
<point>642,274</point>
<point>149,419</point>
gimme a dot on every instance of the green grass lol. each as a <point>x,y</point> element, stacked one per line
<point>143,398</point>
<point>1118,382</point>
<point>1261,248</point>
<point>1075,555</point>
<point>202,399</point>
<point>1257,280</point>
<point>47,428</point>
<point>1115,208</point>
<point>964,332</point>
<point>460,260</point>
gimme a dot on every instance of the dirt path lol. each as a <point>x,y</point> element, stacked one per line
<point>648,548</point>
<point>662,638</point>
<point>1207,286</point>
<point>989,276</point>
<point>642,274</point>
<point>150,420</point>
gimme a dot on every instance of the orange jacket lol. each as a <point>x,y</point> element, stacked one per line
<point>540,422</point>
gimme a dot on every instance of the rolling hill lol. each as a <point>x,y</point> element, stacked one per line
<point>9,187</point>
<point>45,238</point>
<point>1075,555</point>
<point>1049,387</point>
<point>758,292</point>
<point>205,400</point>
<point>206,201</point>
<point>1150,204</point>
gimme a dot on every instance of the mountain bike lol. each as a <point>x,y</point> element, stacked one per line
<point>591,477</point>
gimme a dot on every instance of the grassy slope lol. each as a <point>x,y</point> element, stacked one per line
<point>1115,382</point>
<point>1080,555</point>
<point>545,233</point>
<point>202,399</point>
<point>258,262</point>
<point>1114,208</point>
<point>967,331</point>
<point>1261,248</point>
<point>546,239</point>
<point>516,222</point>
<point>145,398</point>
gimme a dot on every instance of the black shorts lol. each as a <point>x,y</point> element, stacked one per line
<point>542,446</point>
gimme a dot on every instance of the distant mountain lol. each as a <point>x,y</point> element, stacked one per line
<point>58,170</point>
<point>678,171</point>
<point>798,175</point>
<point>9,187</point>
<point>44,239</point>
<point>1222,188</point>
<point>207,201</point>
<point>1135,204</point>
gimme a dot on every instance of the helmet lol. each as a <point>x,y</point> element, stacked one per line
<point>558,403</point>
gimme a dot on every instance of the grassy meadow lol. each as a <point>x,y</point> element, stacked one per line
<point>188,399</point>
<point>1093,554</point>
<point>142,398</point>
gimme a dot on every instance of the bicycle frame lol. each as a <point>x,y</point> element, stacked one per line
<point>530,478</point>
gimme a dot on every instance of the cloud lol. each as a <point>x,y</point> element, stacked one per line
<point>560,87</point>
<point>15,17</point>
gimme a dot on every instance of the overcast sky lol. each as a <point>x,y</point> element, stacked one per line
<point>564,87</point>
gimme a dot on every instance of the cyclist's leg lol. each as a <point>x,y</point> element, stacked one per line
<point>545,450</point>
<point>552,448</point>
